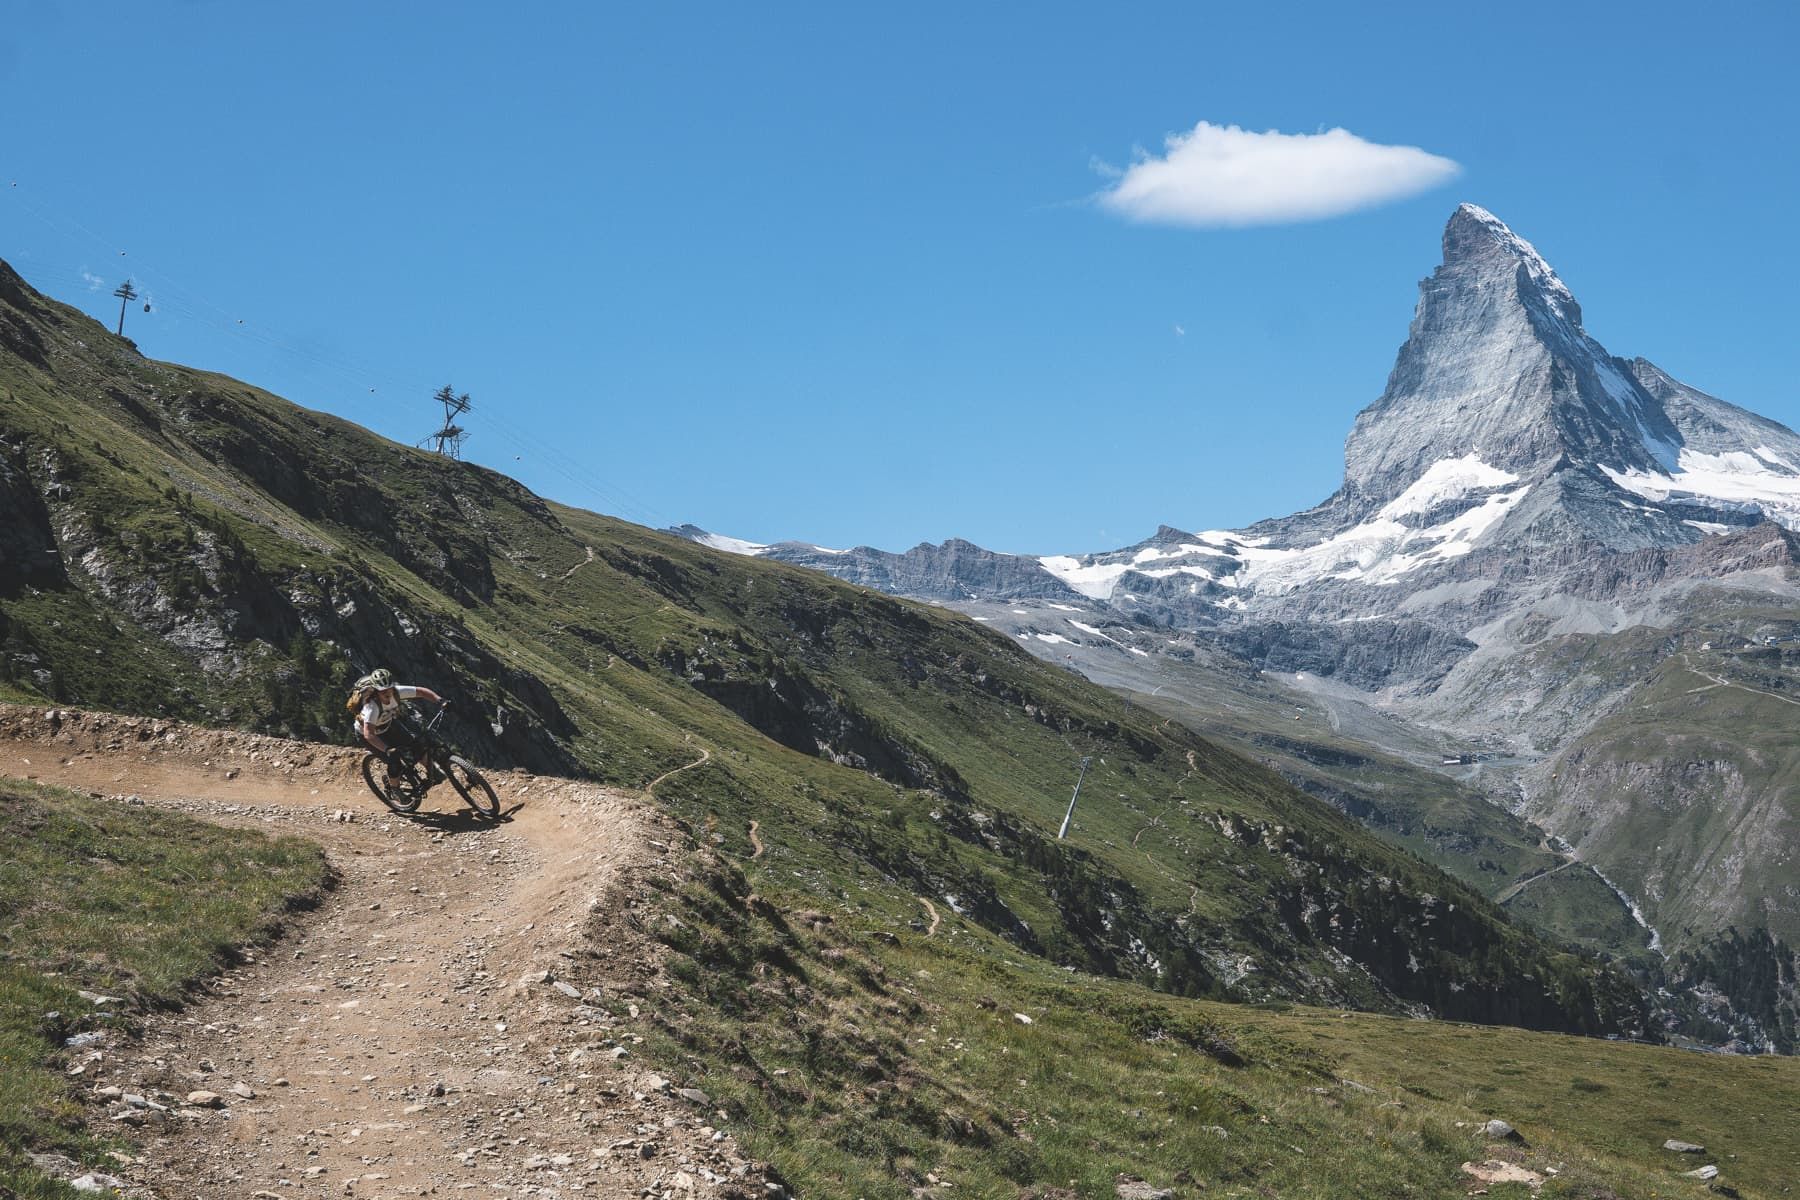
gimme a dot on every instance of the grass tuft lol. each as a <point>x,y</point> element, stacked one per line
<point>116,901</point>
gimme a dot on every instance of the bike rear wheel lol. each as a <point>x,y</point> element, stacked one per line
<point>475,790</point>
<point>398,790</point>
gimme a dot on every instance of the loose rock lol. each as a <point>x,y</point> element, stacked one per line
<point>1495,1171</point>
<point>56,1166</point>
<point>96,1182</point>
<point>1501,1131</point>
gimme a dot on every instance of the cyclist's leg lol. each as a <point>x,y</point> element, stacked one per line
<point>404,741</point>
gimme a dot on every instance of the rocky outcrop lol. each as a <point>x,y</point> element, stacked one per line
<point>1367,654</point>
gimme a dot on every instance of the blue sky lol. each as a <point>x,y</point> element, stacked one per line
<point>839,274</point>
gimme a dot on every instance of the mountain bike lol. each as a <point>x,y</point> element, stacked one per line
<point>400,781</point>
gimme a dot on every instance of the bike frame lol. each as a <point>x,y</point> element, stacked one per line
<point>431,748</point>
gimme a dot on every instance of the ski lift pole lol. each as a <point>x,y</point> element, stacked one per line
<point>1070,815</point>
<point>126,294</point>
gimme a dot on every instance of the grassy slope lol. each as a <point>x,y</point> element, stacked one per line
<point>871,1062</point>
<point>1704,766</point>
<point>1687,771</point>
<point>1580,908</point>
<point>117,901</point>
<point>1431,815</point>
<point>865,1060</point>
<point>1452,825</point>
<point>1686,794</point>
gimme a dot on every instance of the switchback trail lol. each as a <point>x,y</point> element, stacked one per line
<point>446,1021</point>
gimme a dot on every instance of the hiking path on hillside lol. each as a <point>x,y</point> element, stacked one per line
<point>445,1022</point>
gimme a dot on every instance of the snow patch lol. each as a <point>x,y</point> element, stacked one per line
<point>1774,459</point>
<point>731,545</point>
<point>1165,572</point>
<point>1097,581</point>
<point>1735,477</point>
<point>1382,549</point>
<point>1447,479</point>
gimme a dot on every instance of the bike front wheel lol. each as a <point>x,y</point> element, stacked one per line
<point>398,790</point>
<point>475,790</point>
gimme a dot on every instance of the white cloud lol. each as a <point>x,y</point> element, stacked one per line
<point>94,282</point>
<point>1221,175</point>
<point>1180,332</point>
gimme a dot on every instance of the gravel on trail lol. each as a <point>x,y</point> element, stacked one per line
<point>444,1023</point>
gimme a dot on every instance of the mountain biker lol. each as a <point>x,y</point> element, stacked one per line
<point>378,716</point>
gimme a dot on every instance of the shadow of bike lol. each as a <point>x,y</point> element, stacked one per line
<point>461,821</point>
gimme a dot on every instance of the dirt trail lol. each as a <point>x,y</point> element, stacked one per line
<point>1521,885</point>
<point>568,574</point>
<point>705,756</point>
<point>443,1023</point>
<point>1726,683</point>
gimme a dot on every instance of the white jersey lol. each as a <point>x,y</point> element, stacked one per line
<point>378,716</point>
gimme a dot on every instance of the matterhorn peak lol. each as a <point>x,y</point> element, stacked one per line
<point>1476,239</point>
<point>1497,366</point>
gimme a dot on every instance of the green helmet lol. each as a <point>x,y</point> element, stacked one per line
<point>379,679</point>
